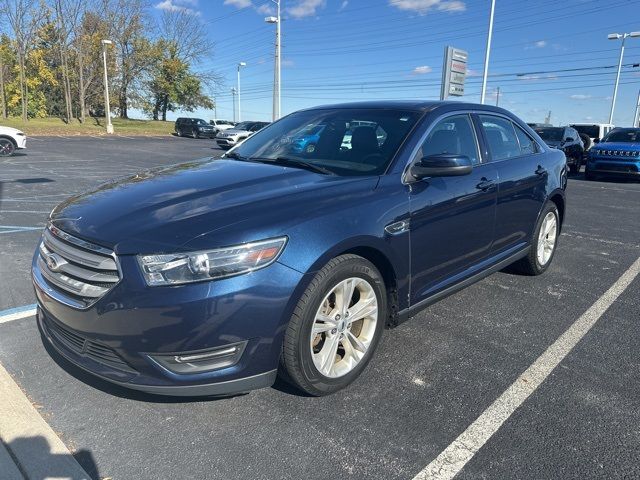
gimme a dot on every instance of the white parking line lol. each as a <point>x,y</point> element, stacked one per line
<point>17,313</point>
<point>457,454</point>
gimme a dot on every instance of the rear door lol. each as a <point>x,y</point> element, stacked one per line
<point>521,190</point>
<point>452,218</point>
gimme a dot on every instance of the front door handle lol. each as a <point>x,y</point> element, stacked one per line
<point>485,184</point>
<point>540,170</point>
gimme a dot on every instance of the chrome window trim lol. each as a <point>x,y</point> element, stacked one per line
<point>423,138</point>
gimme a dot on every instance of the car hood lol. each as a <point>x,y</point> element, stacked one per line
<point>9,130</point>
<point>625,146</point>
<point>202,204</point>
<point>234,131</point>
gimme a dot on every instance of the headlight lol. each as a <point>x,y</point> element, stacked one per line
<point>174,269</point>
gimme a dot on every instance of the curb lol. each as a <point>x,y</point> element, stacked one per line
<point>27,443</point>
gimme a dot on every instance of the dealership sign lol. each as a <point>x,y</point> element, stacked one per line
<point>454,72</point>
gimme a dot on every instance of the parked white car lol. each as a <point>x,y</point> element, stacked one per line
<point>11,139</point>
<point>592,132</point>
<point>221,125</point>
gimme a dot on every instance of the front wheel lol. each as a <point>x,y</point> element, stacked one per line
<point>6,147</point>
<point>335,327</point>
<point>543,245</point>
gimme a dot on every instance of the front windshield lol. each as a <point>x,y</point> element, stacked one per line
<point>624,135</point>
<point>243,126</point>
<point>344,141</point>
<point>199,121</point>
<point>550,134</point>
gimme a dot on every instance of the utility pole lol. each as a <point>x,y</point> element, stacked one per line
<point>623,37</point>
<point>548,118</point>
<point>107,108</point>
<point>233,92</point>
<point>487,53</point>
<point>498,97</point>
<point>277,69</point>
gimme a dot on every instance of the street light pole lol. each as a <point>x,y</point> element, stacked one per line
<point>623,37</point>
<point>487,53</point>
<point>107,108</point>
<point>277,70</point>
<point>636,118</point>
<point>233,93</point>
<point>240,65</point>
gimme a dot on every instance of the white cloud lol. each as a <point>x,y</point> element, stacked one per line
<point>343,5</point>
<point>580,97</point>
<point>421,7</point>
<point>238,3</point>
<point>540,44</point>
<point>422,70</point>
<point>305,8</point>
<point>266,9</point>
<point>177,6</point>
<point>287,63</point>
<point>537,77</point>
<point>473,73</point>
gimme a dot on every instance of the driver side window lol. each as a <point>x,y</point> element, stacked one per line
<point>454,135</point>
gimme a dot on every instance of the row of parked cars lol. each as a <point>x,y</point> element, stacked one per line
<point>602,148</point>
<point>226,133</point>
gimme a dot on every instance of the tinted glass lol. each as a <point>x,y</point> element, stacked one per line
<point>501,136</point>
<point>552,134</point>
<point>243,126</point>
<point>374,137</point>
<point>452,135</point>
<point>624,135</point>
<point>527,145</point>
<point>592,131</point>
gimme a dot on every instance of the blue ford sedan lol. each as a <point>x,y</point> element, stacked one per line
<point>213,277</point>
<point>617,154</point>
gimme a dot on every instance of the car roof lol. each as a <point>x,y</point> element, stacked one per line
<point>416,105</point>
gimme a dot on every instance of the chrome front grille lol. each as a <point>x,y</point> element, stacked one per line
<point>75,268</point>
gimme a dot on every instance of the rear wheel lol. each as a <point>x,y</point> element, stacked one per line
<point>195,134</point>
<point>335,327</point>
<point>543,246</point>
<point>574,167</point>
<point>7,147</point>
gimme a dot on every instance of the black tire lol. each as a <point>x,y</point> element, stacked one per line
<point>7,147</point>
<point>179,132</point>
<point>530,265</point>
<point>195,134</point>
<point>296,362</point>
<point>586,141</point>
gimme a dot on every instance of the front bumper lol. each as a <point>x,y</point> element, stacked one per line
<point>207,133</point>
<point>227,142</point>
<point>117,337</point>
<point>614,167</point>
<point>21,141</point>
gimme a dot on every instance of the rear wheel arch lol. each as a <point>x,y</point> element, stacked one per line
<point>559,201</point>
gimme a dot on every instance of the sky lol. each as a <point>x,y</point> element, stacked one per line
<point>546,55</point>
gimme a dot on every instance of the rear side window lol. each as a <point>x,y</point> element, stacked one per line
<point>501,137</point>
<point>527,145</point>
<point>452,135</point>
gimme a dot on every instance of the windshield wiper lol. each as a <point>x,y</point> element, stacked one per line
<point>235,156</point>
<point>296,163</point>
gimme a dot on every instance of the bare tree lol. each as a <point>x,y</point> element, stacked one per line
<point>23,17</point>
<point>68,14</point>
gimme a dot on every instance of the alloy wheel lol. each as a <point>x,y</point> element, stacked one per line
<point>344,327</point>
<point>547,238</point>
<point>6,147</point>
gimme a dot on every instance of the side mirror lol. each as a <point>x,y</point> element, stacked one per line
<point>569,139</point>
<point>441,165</point>
<point>596,140</point>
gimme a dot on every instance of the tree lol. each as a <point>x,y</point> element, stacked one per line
<point>24,18</point>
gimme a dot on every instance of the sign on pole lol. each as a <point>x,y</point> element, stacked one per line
<point>454,72</point>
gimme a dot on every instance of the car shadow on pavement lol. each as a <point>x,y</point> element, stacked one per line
<point>118,391</point>
<point>34,459</point>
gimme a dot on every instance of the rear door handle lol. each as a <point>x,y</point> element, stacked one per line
<point>541,170</point>
<point>485,184</point>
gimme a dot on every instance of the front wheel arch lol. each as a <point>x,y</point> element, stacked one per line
<point>11,139</point>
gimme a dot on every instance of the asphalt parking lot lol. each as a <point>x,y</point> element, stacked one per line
<point>430,379</point>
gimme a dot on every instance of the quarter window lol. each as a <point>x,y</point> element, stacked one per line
<point>452,135</point>
<point>527,145</point>
<point>501,137</point>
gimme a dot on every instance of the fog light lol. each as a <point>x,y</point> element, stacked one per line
<point>201,360</point>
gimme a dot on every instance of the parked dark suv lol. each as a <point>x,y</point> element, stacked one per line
<point>566,139</point>
<point>194,127</point>
<point>212,276</point>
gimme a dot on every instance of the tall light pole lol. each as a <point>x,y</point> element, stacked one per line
<point>636,117</point>
<point>487,53</point>
<point>107,108</point>
<point>277,69</point>
<point>240,65</point>
<point>233,93</point>
<point>618,36</point>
